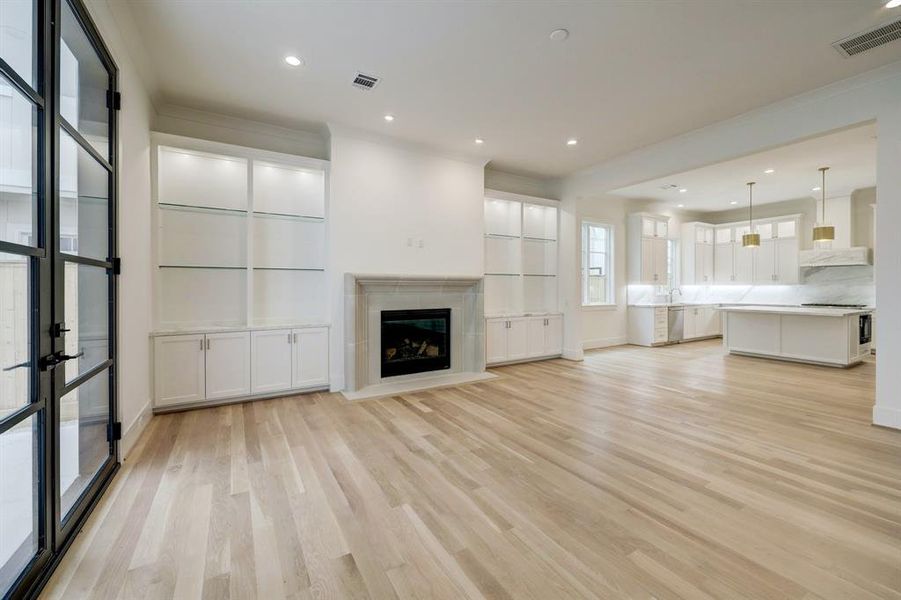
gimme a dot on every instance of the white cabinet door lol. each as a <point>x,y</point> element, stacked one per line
<point>310,354</point>
<point>744,264</point>
<point>227,364</point>
<point>714,321</point>
<point>661,253</point>
<point>518,339</point>
<point>553,338</point>
<point>495,341</point>
<point>765,262</point>
<point>647,260</point>
<point>271,358</point>
<point>690,322</point>
<point>787,260</point>
<point>648,227</point>
<point>178,369</point>
<point>536,337</point>
<point>660,229</point>
<point>703,272</point>
<point>722,263</point>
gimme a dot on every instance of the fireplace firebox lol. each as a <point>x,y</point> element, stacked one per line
<point>415,341</point>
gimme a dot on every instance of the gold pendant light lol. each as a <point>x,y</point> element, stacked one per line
<point>823,232</point>
<point>751,239</point>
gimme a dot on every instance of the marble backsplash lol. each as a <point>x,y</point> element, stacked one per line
<point>827,285</point>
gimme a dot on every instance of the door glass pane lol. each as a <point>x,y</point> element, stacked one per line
<point>86,292</point>
<point>83,201</point>
<point>17,37</point>
<point>15,336</point>
<point>18,499</point>
<point>18,170</point>
<point>83,419</point>
<point>83,83</point>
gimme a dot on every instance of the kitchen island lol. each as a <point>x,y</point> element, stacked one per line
<point>818,335</point>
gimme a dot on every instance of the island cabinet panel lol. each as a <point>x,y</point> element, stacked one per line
<point>821,339</point>
<point>754,333</point>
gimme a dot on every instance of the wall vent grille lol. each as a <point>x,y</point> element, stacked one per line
<point>869,39</point>
<point>365,82</point>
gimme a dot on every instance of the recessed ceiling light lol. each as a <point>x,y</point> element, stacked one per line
<point>680,206</point>
<point>893,4</point>
<point>293,61</point>
<point>768,171</point>
<point>572,142</point>
<point>734,202</point>
<point>816,189</point>
<point>480,141</point>
<point>389,118</point>
<point>559,35</point>
<point>682,190</point>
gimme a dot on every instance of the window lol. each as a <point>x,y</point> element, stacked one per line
<point>597,261</point>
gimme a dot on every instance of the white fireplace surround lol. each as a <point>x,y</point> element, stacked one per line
<point>366,295</point>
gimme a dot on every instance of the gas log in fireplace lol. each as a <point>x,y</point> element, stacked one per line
<point>415,341</point>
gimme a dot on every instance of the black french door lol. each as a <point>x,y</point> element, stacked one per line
<point>58,432</point>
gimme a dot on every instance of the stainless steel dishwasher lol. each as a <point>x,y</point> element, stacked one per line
<point>676,326</point>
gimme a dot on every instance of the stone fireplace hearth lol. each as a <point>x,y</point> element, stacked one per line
<point>455,355</point>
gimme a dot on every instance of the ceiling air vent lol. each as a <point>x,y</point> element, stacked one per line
<point>869,39</point>
<point>365,82</point>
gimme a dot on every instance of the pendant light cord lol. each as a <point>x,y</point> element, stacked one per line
<point>823,188</point>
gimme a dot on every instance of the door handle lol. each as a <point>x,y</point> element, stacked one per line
<point>289,338</point>
<point>48,362</point>
<point>295,338</point>
<point>27,363</point>
<point>208,343</point>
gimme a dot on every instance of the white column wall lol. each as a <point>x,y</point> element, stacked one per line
<point>887,411</point>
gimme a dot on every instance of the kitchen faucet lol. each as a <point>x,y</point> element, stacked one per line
<point>671,293</point>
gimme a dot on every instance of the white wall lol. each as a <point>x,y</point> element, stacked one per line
<point>887,411</point>
<point>134,234</point>
<point>396,209</point>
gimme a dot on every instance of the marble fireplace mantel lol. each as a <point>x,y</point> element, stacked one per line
<point>366,295</point>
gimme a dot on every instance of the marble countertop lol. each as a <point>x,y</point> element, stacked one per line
<point>228,329</point>
<point>815,311</point>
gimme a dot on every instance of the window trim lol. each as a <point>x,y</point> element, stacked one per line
<point>611,265</point>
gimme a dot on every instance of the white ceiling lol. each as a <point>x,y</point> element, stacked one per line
<point>850,155</point>
<point>631,73</point>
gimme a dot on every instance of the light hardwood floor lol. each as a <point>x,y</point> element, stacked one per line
<point>661,473</point>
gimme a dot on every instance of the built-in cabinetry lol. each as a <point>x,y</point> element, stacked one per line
<point>775,261</point>
<point>514,339</point>
<point>203,367</point>
<point>520,255</point>
<point>648,249</point>
<point>701,322</point>
<point>648,325</point>
<point>521,279</point>
<point>239,246</point>
<point>697,254</point>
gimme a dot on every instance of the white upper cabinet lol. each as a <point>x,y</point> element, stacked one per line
<point>723,235</point>
<point>503,217</point>
<point>786,229</point>
<point>539,222</point>
<point>288,190</point>
<point>201,179</point>
<point>697,254</point>
<point>648,250</point>
<point>765,230</point>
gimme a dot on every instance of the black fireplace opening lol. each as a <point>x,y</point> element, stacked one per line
<point>415,341</point>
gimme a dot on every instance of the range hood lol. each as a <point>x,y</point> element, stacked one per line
<point>836,257</point>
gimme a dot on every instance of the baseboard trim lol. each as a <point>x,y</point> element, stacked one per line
<point>886,416</point>
<point>133,432</point>
<point>603,343</point>
<point>159,410</point>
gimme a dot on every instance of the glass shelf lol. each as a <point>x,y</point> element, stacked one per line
<point>539,275</point>
<point>239,211</point>
<point>502,274</point>
<point>538,239</point>
<point>227,268</point>
<point>501,236</point>
<point>287,269</point>
<point>259,213</point>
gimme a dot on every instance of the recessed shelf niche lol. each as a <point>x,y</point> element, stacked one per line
<point>239,236</point>
<point>520,255</point>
